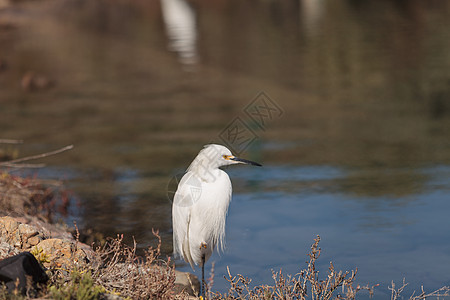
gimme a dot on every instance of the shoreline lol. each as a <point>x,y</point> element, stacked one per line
<point>63,256</point>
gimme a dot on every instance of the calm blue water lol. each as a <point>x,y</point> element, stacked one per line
<point>276,214</point>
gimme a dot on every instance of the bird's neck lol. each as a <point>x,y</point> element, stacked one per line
<point>205,173</point>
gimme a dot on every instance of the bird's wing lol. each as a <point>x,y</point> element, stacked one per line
<point>181,215</point>
<point>222,202</point>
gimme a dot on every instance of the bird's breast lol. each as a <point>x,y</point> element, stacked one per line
<point>217,189</point>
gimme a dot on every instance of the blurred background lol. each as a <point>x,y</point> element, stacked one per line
<point>354,137</point>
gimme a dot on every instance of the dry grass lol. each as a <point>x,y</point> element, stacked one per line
<point>44,199</point>
<point>397,291</point>
<point>118,269</point>
<point>308,285</point>
<point>303,285</point>
<point>30,196</point>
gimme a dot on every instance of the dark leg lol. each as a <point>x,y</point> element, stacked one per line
<point>203,277</point>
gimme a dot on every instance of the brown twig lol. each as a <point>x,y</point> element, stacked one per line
<point>14,163</point>
<point>396,292</point>
<point>9,141</point>
<point>118,268</point>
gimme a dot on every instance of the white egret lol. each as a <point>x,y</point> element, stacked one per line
<point>200,206</point>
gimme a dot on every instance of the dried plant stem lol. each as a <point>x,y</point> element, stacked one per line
<point>116,267</point>
<point>304,285</point>
<point>9,141</point>
<point>396,292</point>
<point>15,162</point>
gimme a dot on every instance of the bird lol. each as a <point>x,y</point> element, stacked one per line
<point>200,206</point>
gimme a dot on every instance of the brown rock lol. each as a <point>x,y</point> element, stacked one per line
<point>16,234</point>
<point>34,240</point>
<point>19,235</point>
<point>27,231</point>
<point>9,224</point>
<point>186,282</point>
<point>7,250</point>
<point>62,253</point>
<point>9,230</point>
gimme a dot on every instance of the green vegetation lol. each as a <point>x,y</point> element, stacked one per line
<point>80,287</point>
<point>40,255</point>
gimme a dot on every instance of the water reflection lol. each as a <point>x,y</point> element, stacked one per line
<point>311,12</point>
<point>181,28</point>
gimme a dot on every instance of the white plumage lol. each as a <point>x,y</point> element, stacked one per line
<point>201,203</point>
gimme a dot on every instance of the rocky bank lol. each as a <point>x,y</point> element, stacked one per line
<point>56,248</point>
<point>25,225</point>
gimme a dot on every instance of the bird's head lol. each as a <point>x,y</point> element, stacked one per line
<point>215,156</point>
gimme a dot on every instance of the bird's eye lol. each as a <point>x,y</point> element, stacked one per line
<point>225,156</point>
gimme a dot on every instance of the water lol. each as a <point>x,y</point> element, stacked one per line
<point>357,149</point>
<point>386,237</point>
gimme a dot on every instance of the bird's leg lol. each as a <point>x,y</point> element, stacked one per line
<point>203,245</point>
<point>203,277</point>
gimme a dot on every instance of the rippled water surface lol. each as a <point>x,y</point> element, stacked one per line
<point>356,148</point>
